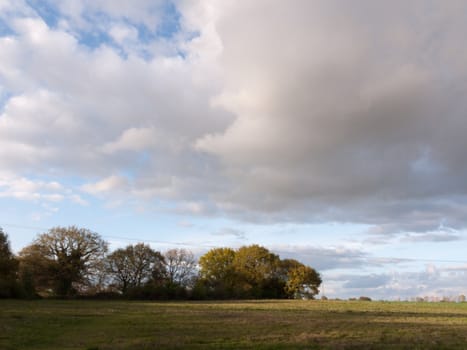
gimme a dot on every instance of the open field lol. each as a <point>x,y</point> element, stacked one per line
<point>52,324</point>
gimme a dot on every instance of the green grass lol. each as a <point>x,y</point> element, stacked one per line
<point>102,325</point>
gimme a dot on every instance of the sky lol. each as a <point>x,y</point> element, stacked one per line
<point>332,132</point>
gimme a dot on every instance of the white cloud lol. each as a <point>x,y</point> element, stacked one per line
<point>122,33</point>
<point>267,111</point>
<point>78,110</point>
<point>433,282</point>
<point>110,184</point>
<point>316,111</point>
<point>78,200</point>
<point>42,192</point>
<point>232,232</point>
<point>133,139</point>
<point>54,197</point>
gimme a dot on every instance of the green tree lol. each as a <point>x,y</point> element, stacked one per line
<point>256,270</point>
<point>65,259</point>
<point>302,282</point>
<point>134,265</point>
<point>8,269</point>
<point>35,270</point>
<point>217,271</point>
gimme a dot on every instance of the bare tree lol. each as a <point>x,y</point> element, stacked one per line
<point>180,267</point>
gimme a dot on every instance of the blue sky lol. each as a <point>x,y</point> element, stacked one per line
<point>328,132</point>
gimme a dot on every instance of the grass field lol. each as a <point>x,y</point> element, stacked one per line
<point>52,324</point>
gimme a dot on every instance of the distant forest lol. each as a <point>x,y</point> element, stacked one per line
<point>73,262</point>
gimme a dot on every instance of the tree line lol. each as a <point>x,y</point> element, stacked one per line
<point>76,262</point>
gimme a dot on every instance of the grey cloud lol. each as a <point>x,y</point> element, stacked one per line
<point>231,232</point>
<point>323,259</point>
<point>432,237</point>
<point>318,112</point>
<point>341,257</point>
<point>369,281</point>
<point>433,281</point>
<point>461,270</point>
<point>350,118</point>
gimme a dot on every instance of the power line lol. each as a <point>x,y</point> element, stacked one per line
<point>367,259</point>
<point>161,242</point>
<point>130,239</point>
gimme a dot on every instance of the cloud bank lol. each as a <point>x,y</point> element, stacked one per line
<point>320,111</point>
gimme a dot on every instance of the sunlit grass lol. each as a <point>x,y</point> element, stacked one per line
<point>51,324</point>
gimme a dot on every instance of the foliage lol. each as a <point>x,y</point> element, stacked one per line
<point>217,272</point>
<point>255,268</point>
<point>134,265</point>
<point>254,272</point>
<point>8,269</point>
<point>64,260</point>
<point>302,282</point>
<point>34,271</point>
<point>72,262</point>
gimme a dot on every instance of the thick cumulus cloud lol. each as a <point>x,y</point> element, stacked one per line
<point>116,119</point>
<point>345,111</point>
<point>298,111</point>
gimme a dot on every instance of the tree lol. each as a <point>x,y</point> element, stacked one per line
<point>180,267</point>
<point>65,259</point>
<point>217,264</point>
<point>217,271</point>
<point>256,269</point>
<point>134,265</point>
<point>302,282</point>
<point>255,272</point>
<point>35,270</point>
<point>8,268</point>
